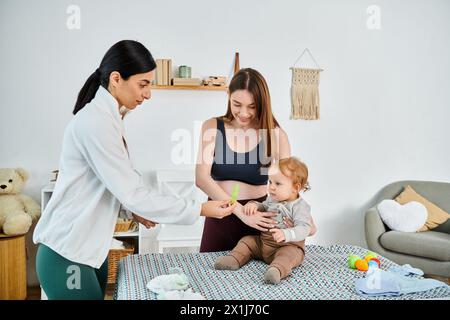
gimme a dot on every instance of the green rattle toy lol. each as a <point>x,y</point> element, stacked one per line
<point>234,194</point>
<point>351,261</point>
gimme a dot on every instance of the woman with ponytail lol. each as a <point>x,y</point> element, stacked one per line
<point>96,176</point>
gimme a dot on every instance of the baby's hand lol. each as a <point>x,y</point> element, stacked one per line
<point>278,235</point>
<point>250,208</point>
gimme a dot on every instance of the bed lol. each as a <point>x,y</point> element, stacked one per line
<point>324,274</point>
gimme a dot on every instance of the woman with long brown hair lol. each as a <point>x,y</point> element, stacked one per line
<point>236,149</point>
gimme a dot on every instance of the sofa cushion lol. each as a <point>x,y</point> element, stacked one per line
<point>436,215</point>
<point>445,227</point>
<point>409,217</point>
<point>428,244</point>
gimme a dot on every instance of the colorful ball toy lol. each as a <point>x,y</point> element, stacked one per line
<point>362,265</point>
<point>370,260</point>
<point>351,260</point>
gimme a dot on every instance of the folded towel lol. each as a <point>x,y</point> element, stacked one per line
<point>116,244</point>
<point>378,282</point>
<point>168,282</point>
<point>173,286</point>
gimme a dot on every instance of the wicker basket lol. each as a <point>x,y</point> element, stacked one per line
<point>123,225</point>
<point>114,257</point>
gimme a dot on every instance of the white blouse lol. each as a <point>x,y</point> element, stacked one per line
<point>95,176</point>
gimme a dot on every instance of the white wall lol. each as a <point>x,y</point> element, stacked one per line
<point>384,93</point>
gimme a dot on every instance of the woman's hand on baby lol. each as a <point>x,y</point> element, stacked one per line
<point>217,209</point>
<point>278,235</point>
<point>260,220</point>
<point>250,208</point>
<point>147,223</point>
<point>288,222</point>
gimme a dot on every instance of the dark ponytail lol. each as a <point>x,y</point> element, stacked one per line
<point>87,93</point>
<point>127,57</point>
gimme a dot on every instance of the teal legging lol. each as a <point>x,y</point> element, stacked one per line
<point>63,279</point>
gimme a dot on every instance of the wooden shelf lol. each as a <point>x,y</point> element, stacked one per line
<point>207,88</point>
<point>202,88</point>
<point>126,234</point>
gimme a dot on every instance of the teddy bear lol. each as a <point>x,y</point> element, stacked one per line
<point>17,211</point>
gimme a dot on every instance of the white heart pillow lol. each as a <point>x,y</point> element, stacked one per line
<point>409,217</point>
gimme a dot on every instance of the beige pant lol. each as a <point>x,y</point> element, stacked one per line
<point>283,256</point>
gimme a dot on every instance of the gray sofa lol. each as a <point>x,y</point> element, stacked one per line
<point>429,250</point>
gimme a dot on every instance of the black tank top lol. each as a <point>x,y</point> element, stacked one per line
<point>239,166</point>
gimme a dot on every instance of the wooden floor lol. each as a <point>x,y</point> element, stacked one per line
<point>109,295</point>
<point>34,293</point>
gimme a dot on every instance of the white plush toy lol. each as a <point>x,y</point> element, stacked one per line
<point>17,211</point>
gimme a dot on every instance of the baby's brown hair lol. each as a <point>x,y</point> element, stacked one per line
<point>296,170</point>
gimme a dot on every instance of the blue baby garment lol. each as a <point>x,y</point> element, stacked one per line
<point>406,270</point>
<point>394,282</point>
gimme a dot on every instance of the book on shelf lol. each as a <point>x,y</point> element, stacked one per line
<point>169,72</point>
<point>164,72</point>
<point>159,72</point>
<point>187,82</point>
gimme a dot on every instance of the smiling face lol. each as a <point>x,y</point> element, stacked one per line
<point>243,108</point>
<point>133,91</point>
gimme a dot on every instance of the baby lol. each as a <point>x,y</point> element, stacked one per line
<point>281,247</point>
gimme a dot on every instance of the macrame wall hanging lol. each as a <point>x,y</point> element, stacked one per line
<point>305,91</point>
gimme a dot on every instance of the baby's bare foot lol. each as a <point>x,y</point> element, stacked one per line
<point>226,263</point>
<point>272,275</point>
